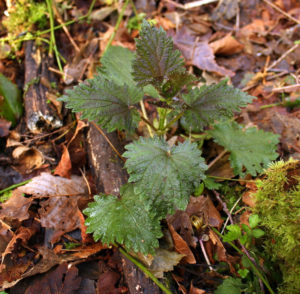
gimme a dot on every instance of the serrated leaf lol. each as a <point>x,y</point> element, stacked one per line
<point>10,100</point>
<point>176,82</point>
<point>156,58</point>
<point>212,103</point>
<point>109,104</point>
<point>165,175</point>
<point>117,66</point>
<point>230,286</point>
<point>234,233</point>
<point>251,149</point>
<point>124,220</point>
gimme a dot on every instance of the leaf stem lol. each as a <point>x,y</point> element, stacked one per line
<point>175,119</point>
<point>162,119</point>
<point>228,179</point>
<point>149,125</point>
<point>255,269</point>
<point>145,271</point>
<point>116,26</point>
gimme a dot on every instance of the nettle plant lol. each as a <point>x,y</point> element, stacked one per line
<point>161,177</point>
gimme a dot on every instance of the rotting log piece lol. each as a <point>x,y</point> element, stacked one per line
<point>110,175</point>
<point>39,114</point>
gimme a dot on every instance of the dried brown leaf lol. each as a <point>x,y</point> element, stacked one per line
<point>226,46</point>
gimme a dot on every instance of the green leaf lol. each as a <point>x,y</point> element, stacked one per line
<point>211,184</point>
<point>117,66</point>
<point>243,272</point>
<point>165,175</point>
<point>110,104</point>
<point>11,107</point>
<point>156,60</point>
<point>254,220</point>
<point>234,233</point>
<point>257,233</point>
<point>212,103</point>
<point>124,220</point>
<point>251,149</point>
<point>230,286</point>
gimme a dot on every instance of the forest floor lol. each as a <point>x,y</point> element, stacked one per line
<point>52,162</point>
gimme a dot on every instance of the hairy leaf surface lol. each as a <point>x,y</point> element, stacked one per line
<point>156,58</point>
<point>117,66</point>
<point>251,149</point>
<point>106,102</point>
<point>124,220</point>
<point>165,175</point>
<point>211,103</point>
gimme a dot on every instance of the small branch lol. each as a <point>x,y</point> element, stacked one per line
<point>231,210</point>
<point>283,12</point>
<point>228,179</point>
<point>217,158</point>
<point>145,271</point>
<point>205,254</point>
<point>191,4</point>
<point>283,56</point>
<point>108,141</point>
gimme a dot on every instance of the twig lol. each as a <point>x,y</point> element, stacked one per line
<point>145,271</point>
<point>231,210</point>
<point>108,141</point>
<point>217,158</point>
<point>60,20</point>
<point>205,254</point>
<point>228,179</point>
<point>283,12</point>
<point>283,56</point>
<point>291,87</point>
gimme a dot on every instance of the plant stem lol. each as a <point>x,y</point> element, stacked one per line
<point>162,119</point>
<point>216,159</point>
<point>52,45</point>
<point>228,179</point>
<point>149,124</point>
<point>14,186</point>
<point>116,26</point>
<point>175,119</point>
<point>145,271</point>
<point>133,8</point>
<point>255,269</point>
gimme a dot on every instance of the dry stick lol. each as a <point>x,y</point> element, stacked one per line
<point>191,4</point>
<point>283,56</point>
<point>108,141</point>
<point>230,212</point>
<point>225,209</point>
<point>60,20</point>
<point>283,12</point>
<point>217,158</point>
<point>205,254</point>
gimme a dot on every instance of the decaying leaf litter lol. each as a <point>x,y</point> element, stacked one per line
<point>255,43</point>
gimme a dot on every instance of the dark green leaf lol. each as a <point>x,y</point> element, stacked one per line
<point>117,66</point>
<point>251,149</point>
<point>11,107</point>
<point>211,184</point>
<point>124,220</point>
<point>156,60</point>
<point>109,104</point>
<point>165,175</point>
<point>230,286</point>
<point>212,103</point>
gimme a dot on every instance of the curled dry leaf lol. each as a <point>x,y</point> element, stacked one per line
<point>27,159</point>
<point>181,246</point>
<point>64,167</point>
<point>226,46</point>
<point>16,207</point>
<point>194,290</point>
<point>199,54</point>
<point>164,261</point>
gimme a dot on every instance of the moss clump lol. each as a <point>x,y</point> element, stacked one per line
<point>23,15</point>
<point>278,205</point>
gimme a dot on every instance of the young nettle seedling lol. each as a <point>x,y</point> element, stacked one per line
<point>162,178</point>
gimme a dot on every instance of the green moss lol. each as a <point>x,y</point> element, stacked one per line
<point>24,15</point>
<point>278,205</point>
